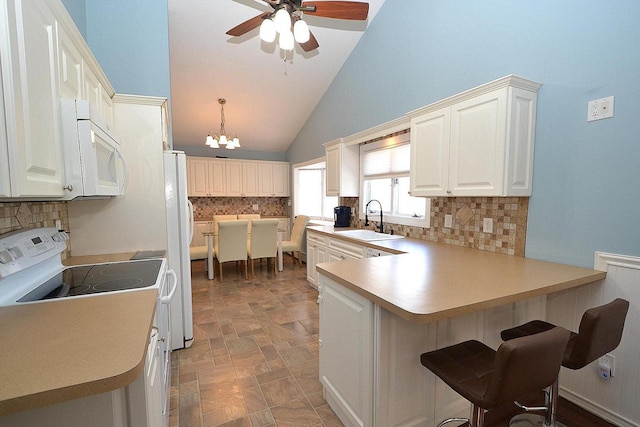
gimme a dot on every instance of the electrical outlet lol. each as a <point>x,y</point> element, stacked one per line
<point>448,220</point>
<point>600,109</point>
<point>487,225</point>
<point>608,360</point>
<point>255,207</point>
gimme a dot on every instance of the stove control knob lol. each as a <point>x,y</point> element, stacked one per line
<point>60,236</point>
<point>5,257</point>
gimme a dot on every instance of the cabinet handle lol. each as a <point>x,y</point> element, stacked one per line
<point>320,343</point>
<point>448,191</point>
<point>68,187</point>
<point>319,300</point>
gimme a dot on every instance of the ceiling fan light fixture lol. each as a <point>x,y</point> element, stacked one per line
<point>268,30</point>
<point>282,20</point>
<point>286,40</point>
<point>301,31</point>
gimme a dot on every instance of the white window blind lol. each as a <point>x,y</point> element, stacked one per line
<point>385,161</point>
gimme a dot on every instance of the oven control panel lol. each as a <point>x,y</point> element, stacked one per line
<point>22,249</point>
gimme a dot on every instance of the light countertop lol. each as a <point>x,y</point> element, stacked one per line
<point>64,349</point>
<point>429,281</point>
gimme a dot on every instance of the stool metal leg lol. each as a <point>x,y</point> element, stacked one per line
<point>535,420</point>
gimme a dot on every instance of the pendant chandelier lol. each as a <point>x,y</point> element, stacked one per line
<point>222,138</point>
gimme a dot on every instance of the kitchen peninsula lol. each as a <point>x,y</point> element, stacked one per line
<point>377,315</point>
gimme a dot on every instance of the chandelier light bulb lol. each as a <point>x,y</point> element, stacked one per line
<point>301,31</point>
<point>236,142</point>
<point>286,40</point>
<point>282,21</point>
<point>223,140</point>
<point>209,141</point>
<point>268,30</point>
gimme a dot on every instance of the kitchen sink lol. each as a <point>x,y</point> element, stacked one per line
<point>367,235</point>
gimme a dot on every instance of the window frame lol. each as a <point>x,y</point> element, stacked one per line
<point>389,217</point>
<point>314,164</point>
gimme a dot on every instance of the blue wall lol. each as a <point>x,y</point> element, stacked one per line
<point>78,12</point>
<point>586,195</point>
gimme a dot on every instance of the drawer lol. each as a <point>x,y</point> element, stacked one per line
<point>348,248</point>
<point>316,238</point>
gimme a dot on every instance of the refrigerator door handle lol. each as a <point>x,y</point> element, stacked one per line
<point>192,224</point>
<point>167,299</point>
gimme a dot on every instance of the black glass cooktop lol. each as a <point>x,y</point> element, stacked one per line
<point>92,279</point>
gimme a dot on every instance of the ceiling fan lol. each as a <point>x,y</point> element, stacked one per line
<point>350,10</point>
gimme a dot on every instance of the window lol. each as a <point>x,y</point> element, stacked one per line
<point>384,167</point>
<point>310,194</point>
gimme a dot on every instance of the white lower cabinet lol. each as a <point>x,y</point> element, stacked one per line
<point>370,358</point>
<point>200,227</point>
<point>316,253</point>
<point>346,354</point>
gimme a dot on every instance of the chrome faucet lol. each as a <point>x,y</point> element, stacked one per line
<point>366,216</point>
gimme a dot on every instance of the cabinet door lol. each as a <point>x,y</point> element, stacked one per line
<point>31,101</point>
<point>69,66</point>
<point>346,352</point>
<point>199,228</point>
<point>265,179</point>
<point>216,179</point>
<point>233,174</point>
<point>197,176</point>
<point>429,171</point>
<point>281,179</point>
<point>477,150</point>
<point>333,170</point>
<point>249,179</point>
<point>312,260</point>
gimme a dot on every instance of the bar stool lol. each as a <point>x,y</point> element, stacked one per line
<point>600,332</point>
<point>489,378</point>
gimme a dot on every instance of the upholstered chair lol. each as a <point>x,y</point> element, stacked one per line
<point>231,244</point>
<point>263,241</point>
<point>294,244</point>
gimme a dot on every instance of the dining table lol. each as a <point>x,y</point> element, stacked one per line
<point>209,235</point>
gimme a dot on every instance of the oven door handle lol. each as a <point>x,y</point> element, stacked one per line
<point>168,298</point>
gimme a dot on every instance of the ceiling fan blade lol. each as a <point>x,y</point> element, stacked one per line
<point>310,44</point>
<point>353,10</point>
<point>248,25</point>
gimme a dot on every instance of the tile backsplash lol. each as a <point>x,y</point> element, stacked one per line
<point>36,215</point>
<point>509,216</point>
<point>205,207</point>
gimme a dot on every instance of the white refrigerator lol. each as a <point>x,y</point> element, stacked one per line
<point>179,234</point>
<point>153,213</point>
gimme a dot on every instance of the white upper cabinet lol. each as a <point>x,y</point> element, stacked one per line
<point>43,58</point>
<point>342,169</point>
<point>205,177</point>
<point>209,177</point>
<point>249,179</point>
<point>273,179</point>
<point>32,143</point>
<point>477,143</point>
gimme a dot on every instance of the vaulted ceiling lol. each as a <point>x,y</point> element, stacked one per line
<point>268,99</point>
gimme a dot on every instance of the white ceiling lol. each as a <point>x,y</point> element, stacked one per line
<point>268,100</point>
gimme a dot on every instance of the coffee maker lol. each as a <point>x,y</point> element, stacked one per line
<point>341,216</point>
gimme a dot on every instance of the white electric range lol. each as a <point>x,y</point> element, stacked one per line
<point>31,272</point>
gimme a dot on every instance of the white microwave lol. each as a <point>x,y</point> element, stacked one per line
<point>94,165</point>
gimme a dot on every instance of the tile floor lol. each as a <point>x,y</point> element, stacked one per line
<point>254,360</point>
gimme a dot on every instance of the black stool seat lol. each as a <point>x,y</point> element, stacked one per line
<point>488,378</point>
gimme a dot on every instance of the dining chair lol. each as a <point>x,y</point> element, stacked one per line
<point>263,242</point>
<point>231,244</point>
<point>249,217</point>
<point>294,244</point>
